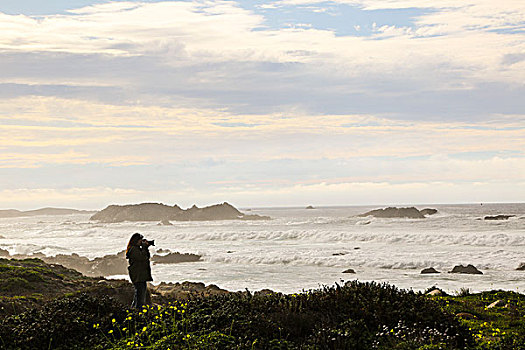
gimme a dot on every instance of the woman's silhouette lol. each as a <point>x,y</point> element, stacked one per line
<point>139,269</point>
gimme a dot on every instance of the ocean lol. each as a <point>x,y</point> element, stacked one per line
<point>302,249</point>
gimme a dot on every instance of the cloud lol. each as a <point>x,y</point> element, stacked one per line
<point>208,97</point>
<point>152,132</point>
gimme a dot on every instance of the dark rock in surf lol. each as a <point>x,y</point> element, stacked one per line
<point>174,258</point>
<point>428,211</point>
<point>521,267</point>
<point>469,269</point>
<point>498,217</point>
<point>309,207</point>
<point>162,212</point>
<point>393,212</point>
<point>429,270</point>
<point>349,271</point>
<point>165,222</point>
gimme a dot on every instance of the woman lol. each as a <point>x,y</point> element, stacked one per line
<point>139,269</point>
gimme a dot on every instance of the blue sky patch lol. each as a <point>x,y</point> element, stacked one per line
<point>343,19</point>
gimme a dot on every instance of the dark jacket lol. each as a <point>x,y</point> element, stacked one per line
<point>139,269</point>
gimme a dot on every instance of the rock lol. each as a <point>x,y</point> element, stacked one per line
<point>170,291</point>
<point>44,282</point>
<point>497,303</point>
<point>466,315</point>
<point>349,271</point>
<point>435,292</point>
<point>11,213</point>
<point>429,270</point>
<point>166,222</point>
<point>174,258</point>
<point>498,217</point>
<point>108,265</point>
<point>357,248</point>
<point>309,207</point>
<point>521,267</point>
<point>469,269</point>
<point>428,211</point>
<point>339,254</point>
<point>161,212</point>
<point>392,212</point>
<point>4,253</point>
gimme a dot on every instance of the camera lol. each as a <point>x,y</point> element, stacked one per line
<point>149,243</point>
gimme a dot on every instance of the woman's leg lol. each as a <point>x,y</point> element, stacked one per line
<point>141,294</point>
<point>134,304</point>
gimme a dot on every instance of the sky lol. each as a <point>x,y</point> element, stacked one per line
<point>261,103</point>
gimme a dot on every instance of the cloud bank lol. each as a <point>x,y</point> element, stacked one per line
<point>249,100</point>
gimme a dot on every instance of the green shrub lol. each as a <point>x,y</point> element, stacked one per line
<point>357,316</point>
<point>354,316</point>
<point>63,323</point>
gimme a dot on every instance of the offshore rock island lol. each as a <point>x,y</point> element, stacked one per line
<point>393,212</point>
<point>165,213</point>
<point>13,213</point>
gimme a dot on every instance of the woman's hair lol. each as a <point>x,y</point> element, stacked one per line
<point>133,241</point>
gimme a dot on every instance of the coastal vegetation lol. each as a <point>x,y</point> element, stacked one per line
<point>351,316</point>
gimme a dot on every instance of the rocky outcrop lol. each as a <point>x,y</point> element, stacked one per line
<point>393,212</point>
<point>108,265</point>
<point>184,290</point>
<point>309,207</point>
<point>469,269</point>
<point>12,213</point>
<point>162,212</point>
<point>498,217</point>
<point>174,258</point>
<point>428,211</point>
<point>521,267</point>
<point>435,292</point>
<point>429,270</point>
<point>349,271</point>
<point>137,212</point>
